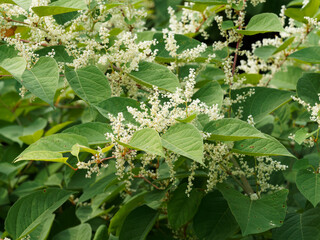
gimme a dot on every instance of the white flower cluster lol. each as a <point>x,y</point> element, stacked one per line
<point>79,36</point>
<point>93,165</point>
<point>160,116</point>
<point>264,168</point>
<point>163,115</point>
<point>313,110</point>
<point>217,156</point>
<point>254,64</point>
<point>190,21</point>
<point>250,120</point>
<point>313,22</point>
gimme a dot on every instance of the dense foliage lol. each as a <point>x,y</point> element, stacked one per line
<point>159,119</point>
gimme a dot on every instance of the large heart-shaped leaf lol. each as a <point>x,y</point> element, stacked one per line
<point>299,226</point>
<point>89,83</point>
<point>147,140</point>
<point>142,218</point>
<point>115,105</point>
<point>221,223</point>
<point>263,23</point>
<point>210,94</point>
<point>42,80</point>
<point>261,103</point>
<point>29,211</point>
<point>153,74</point>
<point>308,88</point>
<point>308,183</point>
<point>120,216</point>
<point>182,208</point>
<point>256,216</point>
<point>184,139</point>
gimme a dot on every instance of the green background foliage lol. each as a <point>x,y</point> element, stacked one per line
<point>66,116</point>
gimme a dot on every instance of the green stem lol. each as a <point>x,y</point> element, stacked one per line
<point>246,185</point>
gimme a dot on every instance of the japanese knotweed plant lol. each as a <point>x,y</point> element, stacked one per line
<point>187,118</point>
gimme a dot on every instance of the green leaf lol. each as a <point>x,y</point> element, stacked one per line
<point>256,216</point>
<point>147,140</point>
<point>265,52</point>
<point>4,196</point>
<point>231,129</point>
<point>42,156</point>
<point>227,25</point>
<point>184,139</point>
<point>268,146</point>
<point>89,83</point>
<point>59,7</point>
<point>299,14</point>
<point>98,187</point>
<point>107,196</point>
<point>187,119</point>
<point>115,105</point>
<point>308,184</point>
<point>303,134</point>
<point>59,143</point>
<point>31,138</point>
<point>17,133</point>
<point>8,109</point>
<point>263,23</point>
<point>43,229</point>
<point>250,78</point>
<point>61,54</point>
<point>308,88</point>
<point>261,103</point>
<point>288,78</point>
<point>11,62</point>
<point>153,74</point>
<point>26,214</point>
<point>221,223</point>
<point>210,94</point>
<point>86,213</point>
<point>311,8</point>
<point>298,226</point>
<point>210,73</point>
<point>182,208</point>
<point>25,4</point>
<point>118,219</point>
<point>93,131</point>
<point>138,223</point>
<point>57,128</point>
<point>101,233</point>
<point>42,80</point>
<point>82,231</point>
<point>309,55</point>
<point>284,45</point>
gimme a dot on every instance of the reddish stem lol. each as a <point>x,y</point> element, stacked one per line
<point>148,181</point>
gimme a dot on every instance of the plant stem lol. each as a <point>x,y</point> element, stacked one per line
<point>148,181</point>
<point>246,185</point>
